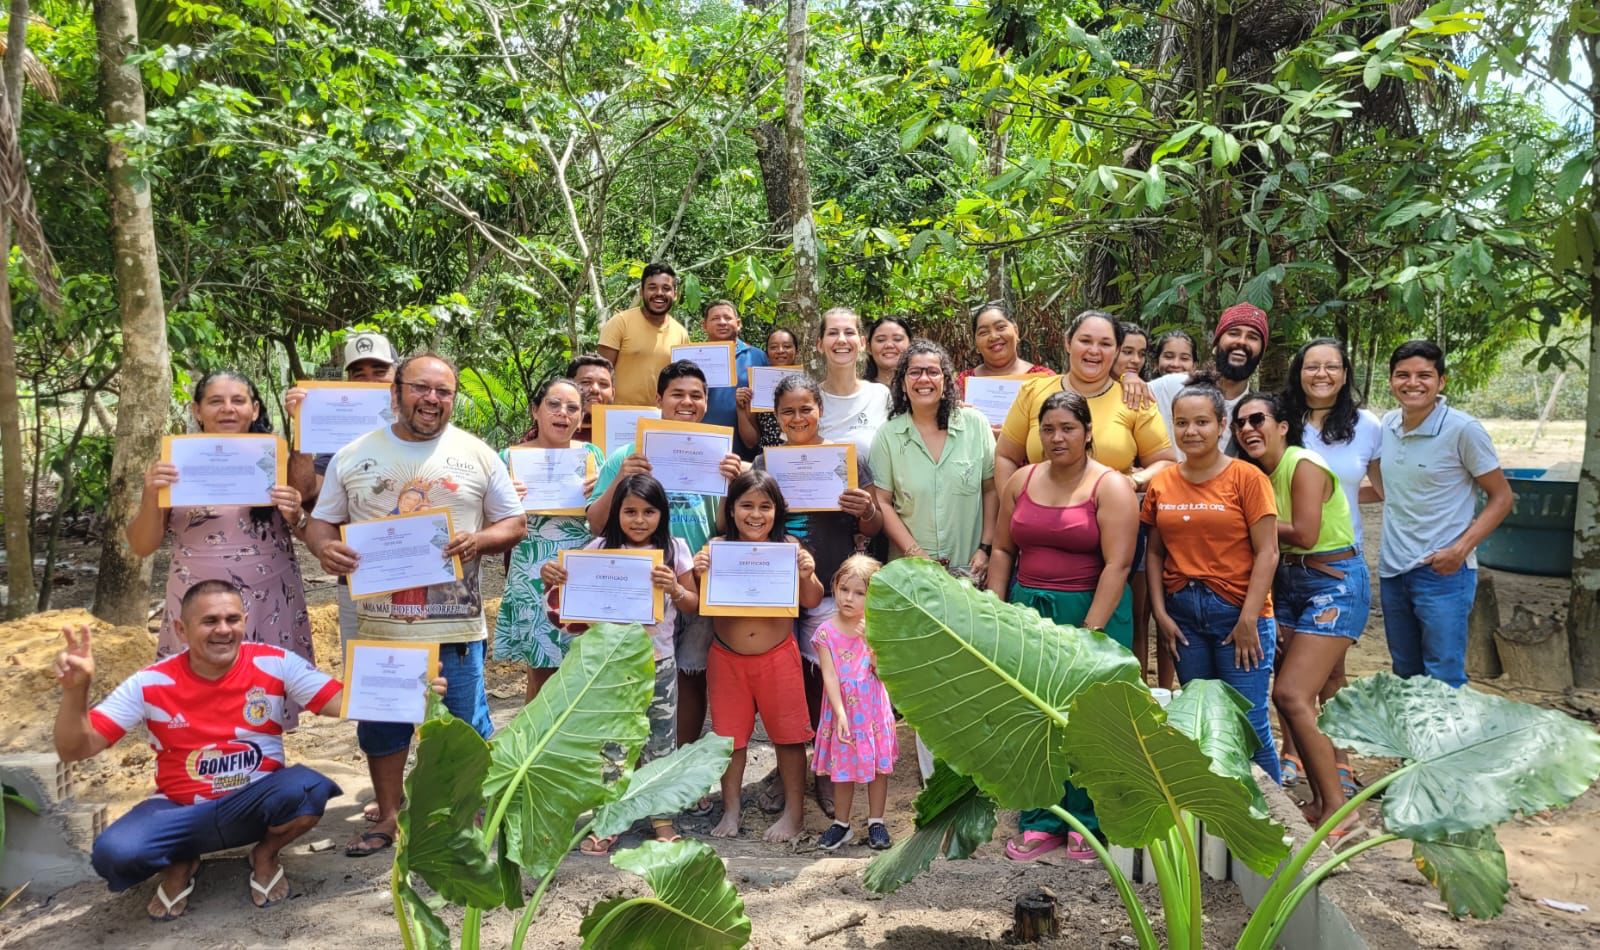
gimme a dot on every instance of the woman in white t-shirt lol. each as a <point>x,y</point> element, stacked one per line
<point>852,408</point>
<point>1323,415</point>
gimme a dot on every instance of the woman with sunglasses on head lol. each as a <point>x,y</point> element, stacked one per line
<point>1322,593</point>
<point>1210,560</point>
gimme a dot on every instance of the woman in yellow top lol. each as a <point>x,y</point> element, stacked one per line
<point>1121,435</point>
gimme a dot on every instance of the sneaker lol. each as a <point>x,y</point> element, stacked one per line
<point>836,836</point>
<point>878,836</point>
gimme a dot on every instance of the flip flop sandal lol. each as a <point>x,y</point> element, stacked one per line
<point>1078,849</point>
<point>597,847</point>
<point>1042,843</point>
<point>161,895</point>
<point>1347,781</point>
<point>1293,770</point>
<point>657,825</point>
<point>704,808</point>
<point>356,851</point>
<point>265,892</point>
<point>369,811</point>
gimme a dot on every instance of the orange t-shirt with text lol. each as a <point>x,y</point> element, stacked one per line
<point>1205,528</point>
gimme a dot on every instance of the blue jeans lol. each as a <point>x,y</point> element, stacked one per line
<point>1206,619</point>
<point>1425,621</point>
<point>461,664</point>
<point>1308,601</point>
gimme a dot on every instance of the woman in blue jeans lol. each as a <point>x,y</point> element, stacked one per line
<point>1212,552</point>
<point>1322,591</point>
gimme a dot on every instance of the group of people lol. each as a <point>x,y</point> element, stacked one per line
<point>1226,517</point>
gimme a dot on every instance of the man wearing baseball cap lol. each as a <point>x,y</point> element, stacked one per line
<point>1236,349</point>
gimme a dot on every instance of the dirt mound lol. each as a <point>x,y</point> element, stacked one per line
<point>27,675</point>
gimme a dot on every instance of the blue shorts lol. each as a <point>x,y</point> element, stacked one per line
<point>158,831</point>
<point>1306,600</point>
<point>461,665</point>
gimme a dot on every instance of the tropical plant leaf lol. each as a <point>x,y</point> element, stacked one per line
<point>1213,714</point>
<point>986,684</point>
<point>693,905</point>
<point>1479,759</point>
<point>438,835</point>
<point>1141,771</point>
<point>666,785</point>
<point>426,929</point>
<point>546,766</point>
<point>1468,869</point>
<point>953,819</point>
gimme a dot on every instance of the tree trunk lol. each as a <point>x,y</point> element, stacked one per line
<point>122,591</point>
<point>806,290</point>
<point>773,160</point>
<point>20,591</point>
<point>1549,407</point>
<point>1583,609</point>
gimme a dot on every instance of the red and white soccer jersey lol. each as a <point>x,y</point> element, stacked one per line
<point>212,737</point>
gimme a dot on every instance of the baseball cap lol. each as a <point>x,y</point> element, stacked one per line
<point>367,345</point>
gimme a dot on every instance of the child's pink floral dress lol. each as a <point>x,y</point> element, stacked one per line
<point>871,719</point>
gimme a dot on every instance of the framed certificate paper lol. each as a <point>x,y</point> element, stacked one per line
<point>610,585</point>
<point>716,360</point>
<point>812,476</point>
<point>386,681</point>
<point>993,395</point>
<point>686,456</point>
<point>763,380</point>
<point>335,414</point>
<point>224,469</point>
<point>553,477</point>
<point>401,552</point>
<point>613,426</point>
<point>751,579</point>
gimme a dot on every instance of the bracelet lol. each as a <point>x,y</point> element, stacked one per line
<point>305,519</point>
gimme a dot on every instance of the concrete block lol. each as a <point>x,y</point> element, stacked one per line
<point>48,851</point>
<point>39,775</point>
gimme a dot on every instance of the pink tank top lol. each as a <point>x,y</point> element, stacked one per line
<point>1058,547</point>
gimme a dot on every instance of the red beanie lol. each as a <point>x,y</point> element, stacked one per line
<point>1241,314</point>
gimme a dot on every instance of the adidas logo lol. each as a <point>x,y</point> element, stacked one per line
<point>178,722</point>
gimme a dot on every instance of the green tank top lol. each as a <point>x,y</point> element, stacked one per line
<point>1337,531</point>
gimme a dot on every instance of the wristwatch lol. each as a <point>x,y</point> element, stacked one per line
<point>987,549</point>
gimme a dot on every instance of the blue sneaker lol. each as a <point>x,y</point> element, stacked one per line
<point>878,836</point>
<point>835,837</point>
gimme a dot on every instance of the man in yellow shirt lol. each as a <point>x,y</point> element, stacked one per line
<point>639,341</point>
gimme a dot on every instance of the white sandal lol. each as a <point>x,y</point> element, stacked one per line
<point>265,892</point>
<point>167,903</point>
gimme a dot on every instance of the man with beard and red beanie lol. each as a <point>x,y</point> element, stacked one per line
<point>1236,349</point>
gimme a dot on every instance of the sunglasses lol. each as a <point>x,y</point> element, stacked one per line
<point>1254,420</point>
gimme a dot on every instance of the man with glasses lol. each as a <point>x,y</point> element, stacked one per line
<point>421,461</point>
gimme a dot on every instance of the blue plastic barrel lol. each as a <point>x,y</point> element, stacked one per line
<point>1536,537</point>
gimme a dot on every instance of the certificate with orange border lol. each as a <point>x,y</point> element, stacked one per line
<point>401,552</point>
<point>765,379</point>
<point>993,395</point>
<point>686,457</point>
<point>610,585</point>
<point>751,579</point>
<point>716,360</point>
<point>334,414</point>
<point>812,477</point>
<point>553,478</point>
<point>388,680</point>
<point>613,426</point>
<point>237,469</point>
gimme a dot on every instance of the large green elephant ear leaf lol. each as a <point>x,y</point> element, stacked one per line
<point>1477,759</point>
<point>693,905</point>
<point>986,684</point>
<point>668,784</point>
<point>1468,869</point>
<point>953,819</point>
<point>438,835</point>
<point>1142,773</point>
<point>546,767</point>
<point>1213,714</point>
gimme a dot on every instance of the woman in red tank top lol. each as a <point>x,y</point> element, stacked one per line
<point>1070,533</point>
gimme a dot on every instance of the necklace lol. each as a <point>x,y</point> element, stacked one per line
<point>1066,384</point>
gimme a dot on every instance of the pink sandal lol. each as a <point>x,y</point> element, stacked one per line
<point>1078,849</point>
<point>1035,845</point>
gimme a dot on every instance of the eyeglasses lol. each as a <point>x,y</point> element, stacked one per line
<point>1329,368</point>
<point>924,372</point>
<point>1254,420</point>
<point>422,389</point>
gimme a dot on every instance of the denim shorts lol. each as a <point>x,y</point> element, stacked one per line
<point>1139,544</point>
<point>461,664</point>
<point>1308,601</point>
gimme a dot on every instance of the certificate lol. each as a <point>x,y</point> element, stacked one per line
<point>765,379</point>
<point>386,681</point>
<point>751,579</point>
<point>993,395</point>
<point>610,585</point>
<point>401,553</point>
<point>686,456</point>
<point>716,360</point>
<point>553,478</point>
<point>224,469</point>
<point>613,426</point>
<point>812,476</point>
<point>335,414</point>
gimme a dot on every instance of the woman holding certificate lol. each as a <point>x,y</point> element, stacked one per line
<point>524,632</point>
<point>1070,532</point>
<point>250,547</point>
<point>994,334</point>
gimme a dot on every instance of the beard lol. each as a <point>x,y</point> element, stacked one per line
<point>1236,372</point>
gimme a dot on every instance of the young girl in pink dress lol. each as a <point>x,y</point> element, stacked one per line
<point>855,737</point>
